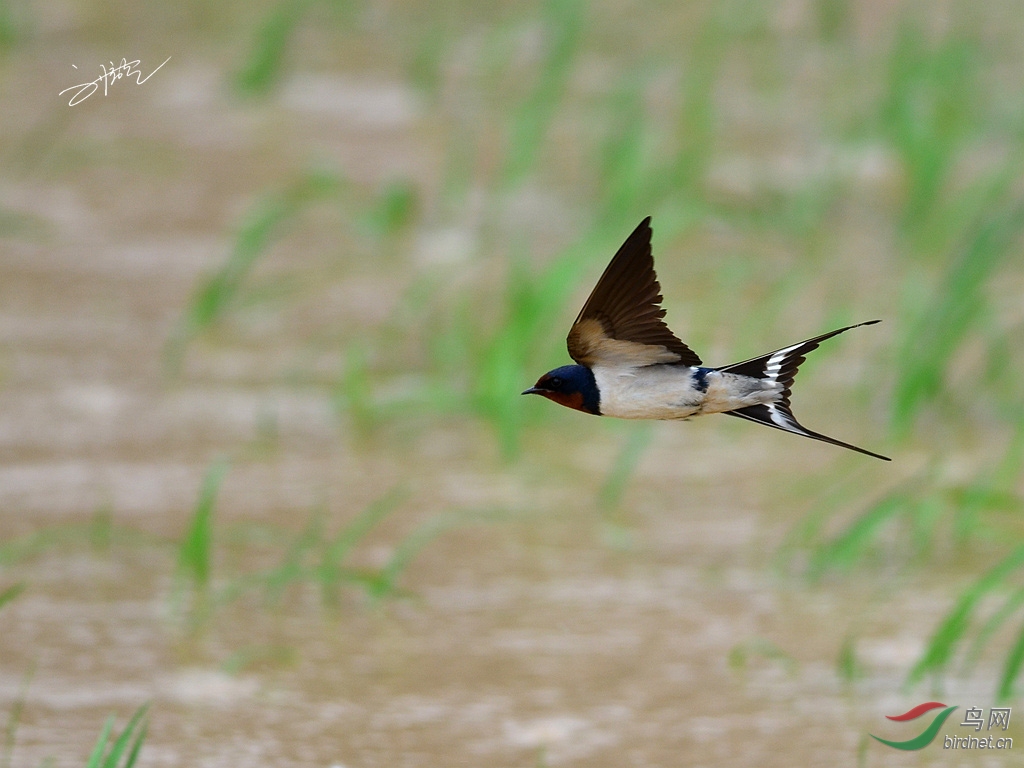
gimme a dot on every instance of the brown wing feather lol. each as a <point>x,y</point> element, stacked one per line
<point>622,320</point>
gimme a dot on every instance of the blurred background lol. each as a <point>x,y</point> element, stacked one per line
<point>264,321</point>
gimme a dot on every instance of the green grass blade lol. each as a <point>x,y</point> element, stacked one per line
<point>74,536</point>
<point>11,592</point>
<point>564,22</point>
<point>991,489</point>
<point>261,227</point>
<point>195,553</point>
<point>385,582</point>
<point>624,175</point>
<point>848,666</point>
<point>124,742</point>
<point>844,550</point>
<point>253,238</point>
<point>357,530</point>
<point>954,627</point>
<point>394,210</point>
<point>137,745</point>
<point>1011,668</point>
<point>683,175</point>
<point>113,758</point>
<point>353,393</point>
<point>932,342</point>
<point>12,28</point>
<point>741,655</point>
<point>928,112</point>
<point>506,358</point>
<point>925,513</point>
<point>806,534</point>
<point>614,486</point>
<point>14,717</point>
<point>264,66</point>
<point>96,758</point>
<point>992,625</point>
<point>291,570</point>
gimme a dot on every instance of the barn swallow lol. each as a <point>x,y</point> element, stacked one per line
<point>631,366</point>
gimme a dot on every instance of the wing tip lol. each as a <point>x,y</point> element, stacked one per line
<point>643,228</point>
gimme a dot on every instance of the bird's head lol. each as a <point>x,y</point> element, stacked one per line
<point>572,386</point>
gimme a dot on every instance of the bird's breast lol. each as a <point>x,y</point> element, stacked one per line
<point>648,392</point>
<point>678,392</point>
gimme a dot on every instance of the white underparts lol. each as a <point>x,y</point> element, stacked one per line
<point>670,392</point>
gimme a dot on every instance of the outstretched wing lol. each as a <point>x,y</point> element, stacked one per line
<point>621,323</point>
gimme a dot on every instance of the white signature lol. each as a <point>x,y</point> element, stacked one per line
<point>124,69</point>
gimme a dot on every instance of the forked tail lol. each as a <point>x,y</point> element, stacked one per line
<point>781,366</point>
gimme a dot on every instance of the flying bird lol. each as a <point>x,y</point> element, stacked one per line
<point>631,366</point>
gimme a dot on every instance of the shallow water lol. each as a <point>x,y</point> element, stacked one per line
<point>552,635</point>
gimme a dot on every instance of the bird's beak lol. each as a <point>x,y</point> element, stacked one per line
<point>531,391</point>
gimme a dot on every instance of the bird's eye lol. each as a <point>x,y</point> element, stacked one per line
<point>554,382</point>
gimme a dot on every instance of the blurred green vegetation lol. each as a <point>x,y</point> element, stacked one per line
<point>13,719</point>
<point>8,594</point>
<point>760,159</point>
<point>124,751</point>
<point>312,557</point>
<point>220,564</point>
<point>924,109</point>
<point>195,553</point>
